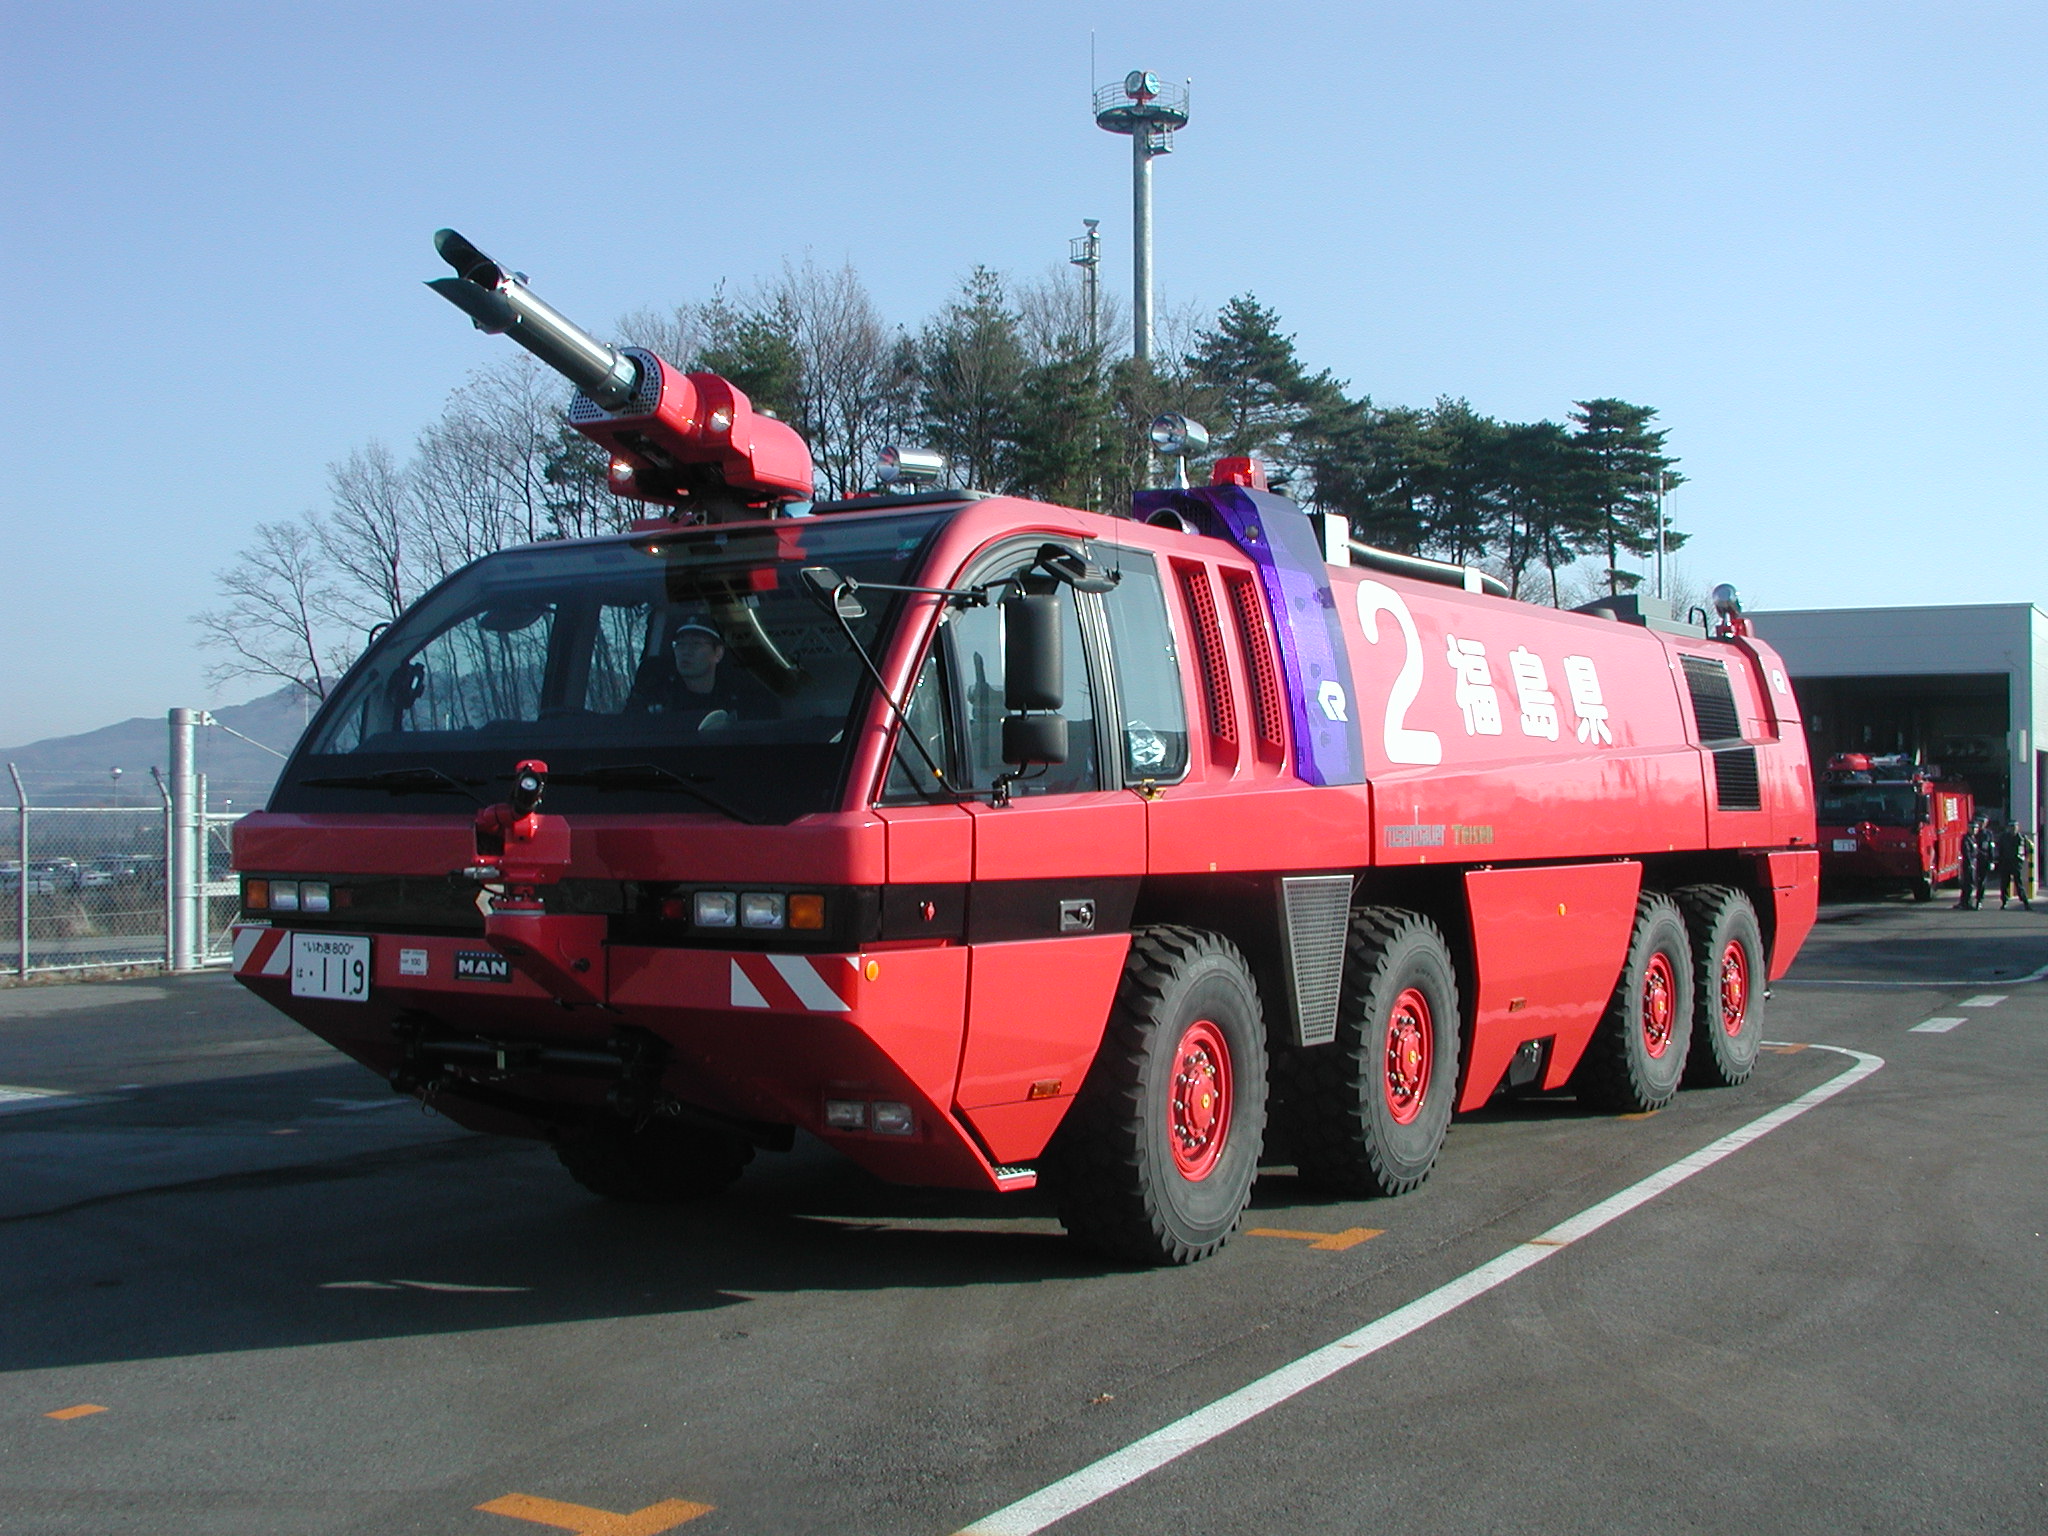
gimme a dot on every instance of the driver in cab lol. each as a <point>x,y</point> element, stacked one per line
<point>686,679</point>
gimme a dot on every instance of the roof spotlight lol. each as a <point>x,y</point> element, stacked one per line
<point>1725,600</point>
<point>910,466</point>
<point>1177,435</point>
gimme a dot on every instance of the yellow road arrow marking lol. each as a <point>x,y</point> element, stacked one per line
<point>1329,1242</point>
<point>584,1521</point>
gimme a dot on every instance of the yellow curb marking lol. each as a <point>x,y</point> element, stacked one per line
<point>1783,1050</point>
<point>1328,1242</point>
<point>1544,1242</point>
<point>1641,1114</point>
<point>76,1411</point>
<point>584,1521</point>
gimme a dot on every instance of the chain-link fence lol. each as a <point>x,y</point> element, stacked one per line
<point>90,891</point>
<point>91,887</point>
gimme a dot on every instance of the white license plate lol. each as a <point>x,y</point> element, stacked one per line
<point>331,965</point>
<point>1845,845</point>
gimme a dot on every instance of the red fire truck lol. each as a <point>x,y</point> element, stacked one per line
<point>993,842</point>
<point>1889,821</point>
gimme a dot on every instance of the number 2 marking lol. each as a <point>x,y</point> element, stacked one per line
<point>1404,745</point>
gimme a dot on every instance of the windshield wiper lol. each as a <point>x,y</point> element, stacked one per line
<point>650,776</point>
<point>400,781</point>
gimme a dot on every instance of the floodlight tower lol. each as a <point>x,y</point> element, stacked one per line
<point>1150,111</point>
<point>1085,252</point>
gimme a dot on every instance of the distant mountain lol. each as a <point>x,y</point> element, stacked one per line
<point>77,770</point>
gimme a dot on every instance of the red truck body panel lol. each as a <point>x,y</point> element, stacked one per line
<point>1554,761</point>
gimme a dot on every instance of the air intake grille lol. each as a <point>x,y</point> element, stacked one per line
<point>1268,710</point>
<point>1713,701</point>
<point>1318,913</point>
<point>1735,781</point>
<point>1194,586</point>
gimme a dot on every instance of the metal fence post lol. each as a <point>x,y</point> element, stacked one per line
<point>170,837</point>
<point>184,871</point>
<point>21,886</point>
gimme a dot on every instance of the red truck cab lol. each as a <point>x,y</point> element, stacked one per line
<point>1888,822</point>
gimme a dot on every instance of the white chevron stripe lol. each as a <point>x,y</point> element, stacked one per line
<point>810,988</point>
<point>744,993</point>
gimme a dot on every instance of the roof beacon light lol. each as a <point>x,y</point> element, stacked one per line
<point>1246,471</point>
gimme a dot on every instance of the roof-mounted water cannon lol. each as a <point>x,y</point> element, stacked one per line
<point>1729,606</point>
<point>691,441</point>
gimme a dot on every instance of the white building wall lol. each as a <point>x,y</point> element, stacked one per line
<point>1906,642</point>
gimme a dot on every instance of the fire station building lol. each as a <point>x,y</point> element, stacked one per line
<point>1965,687</point>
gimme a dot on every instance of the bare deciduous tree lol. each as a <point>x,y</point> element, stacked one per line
<point>276,621</point>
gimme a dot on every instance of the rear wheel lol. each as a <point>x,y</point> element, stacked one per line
<point>1368,1113</point>
<point>1155,1161</point>
<point>1638,1053</point>
<point>661,1163</point>
<point>1728,984</point>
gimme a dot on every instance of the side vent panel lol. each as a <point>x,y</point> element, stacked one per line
<point>1316,911</point>
<point>1269,711</point>
<point>1735,780</point>
<point>1216,694</point>
<point>1713,700</point>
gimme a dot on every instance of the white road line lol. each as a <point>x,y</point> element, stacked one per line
<point>1922,986</point>
<point>1120,1469</point>
<point>27,1101</point>
<point>1934,1026</point>
<point>1983,1000</point>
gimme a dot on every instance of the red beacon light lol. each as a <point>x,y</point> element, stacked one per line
<point>1243,469</point>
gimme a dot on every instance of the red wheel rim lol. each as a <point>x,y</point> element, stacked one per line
<point>1411,1048</point>
<point>1198,1114</point>
<point>1660,1003</point>
<point>1734,987</point>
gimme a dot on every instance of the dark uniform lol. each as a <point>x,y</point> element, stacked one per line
<point>1972,882</point>
<point>2015,853</point>
<point>1986,840</point>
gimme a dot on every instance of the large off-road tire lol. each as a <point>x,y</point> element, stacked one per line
<point>1155,1162</point>
<point>661,1163</point>
<point>1729,972</point>
<point>1367,1114</point>
<point>1637,1058</point>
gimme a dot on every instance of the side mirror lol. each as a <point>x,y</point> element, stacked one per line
<point>1034,670</point>
<point>1029,740</point>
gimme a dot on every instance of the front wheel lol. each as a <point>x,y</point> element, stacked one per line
<point>1155,1161</point>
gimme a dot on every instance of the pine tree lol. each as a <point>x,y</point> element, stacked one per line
<point>1254,374</point>
<point>1624,463</point>
<point>972,367</point>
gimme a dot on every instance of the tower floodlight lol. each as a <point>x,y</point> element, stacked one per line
<point>1085,252</point>
<point>1151,111</point>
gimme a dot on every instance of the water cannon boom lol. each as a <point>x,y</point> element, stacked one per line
<point>688,440</point>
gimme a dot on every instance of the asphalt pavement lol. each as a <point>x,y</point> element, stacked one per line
<point>245,1289</point>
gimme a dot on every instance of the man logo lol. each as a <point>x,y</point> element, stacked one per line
<point>481,965</point>
<point>1331,697</point>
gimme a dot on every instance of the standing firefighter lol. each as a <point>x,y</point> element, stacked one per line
<point>1985,836</point>
<point>1971,893</point>
<point>2015,854</point>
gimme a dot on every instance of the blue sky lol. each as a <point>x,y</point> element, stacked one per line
<point>1811,236</point>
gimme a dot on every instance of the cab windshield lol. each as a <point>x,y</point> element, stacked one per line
<point>1884,805</point>
<point>684,672</point>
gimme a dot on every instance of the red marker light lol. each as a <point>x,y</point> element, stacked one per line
<point>1245,470</point>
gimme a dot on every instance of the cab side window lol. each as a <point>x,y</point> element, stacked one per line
<point>1154,737</point>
